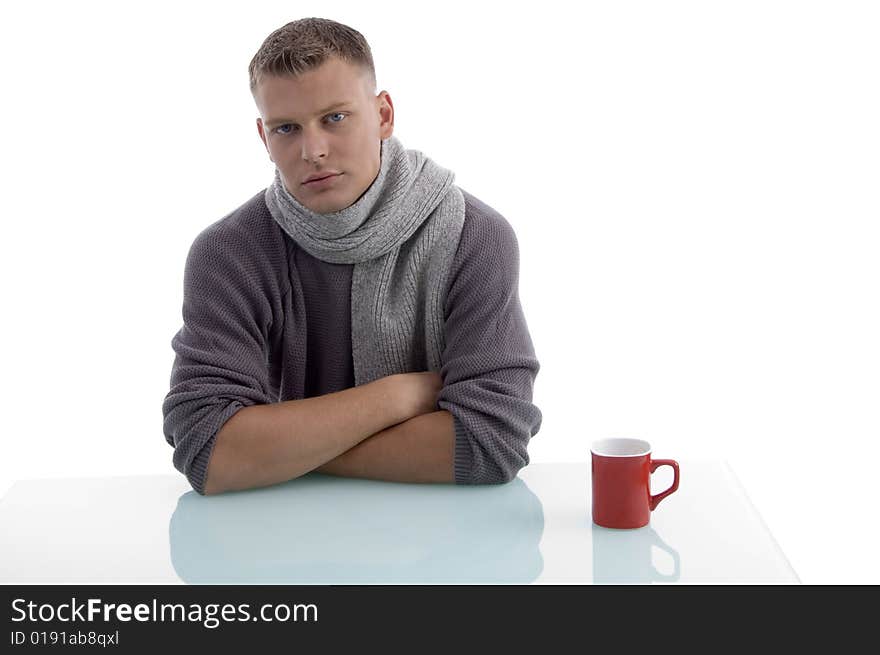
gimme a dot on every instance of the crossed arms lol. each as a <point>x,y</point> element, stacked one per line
<point>388,429</point>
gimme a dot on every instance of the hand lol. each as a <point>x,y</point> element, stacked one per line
<point>416,393</point>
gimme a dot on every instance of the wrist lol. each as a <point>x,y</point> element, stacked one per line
<point>390,398</point>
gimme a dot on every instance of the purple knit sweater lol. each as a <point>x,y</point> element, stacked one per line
<point>264,322</point>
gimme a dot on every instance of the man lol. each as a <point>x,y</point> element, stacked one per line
<point>359,316</point>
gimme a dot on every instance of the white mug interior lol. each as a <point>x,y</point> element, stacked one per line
<point>619,447</point>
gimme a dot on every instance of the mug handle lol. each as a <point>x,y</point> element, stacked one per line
<point>655,464</point>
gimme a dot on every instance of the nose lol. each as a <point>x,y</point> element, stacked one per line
<point>314,147</point>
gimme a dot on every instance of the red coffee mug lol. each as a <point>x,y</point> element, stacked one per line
<point>622,482</point>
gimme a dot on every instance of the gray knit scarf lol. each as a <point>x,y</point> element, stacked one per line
<point>401,235</point>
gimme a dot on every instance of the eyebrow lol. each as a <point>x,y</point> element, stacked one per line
<point>281,121</point>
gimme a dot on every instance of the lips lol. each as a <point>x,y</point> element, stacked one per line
<point>318,179</point>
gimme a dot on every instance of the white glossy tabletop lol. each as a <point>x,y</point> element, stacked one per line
<point>321,529</point>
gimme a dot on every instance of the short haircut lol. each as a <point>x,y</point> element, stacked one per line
<point>304,45</point>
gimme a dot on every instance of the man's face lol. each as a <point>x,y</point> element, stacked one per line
<point>321,122</point>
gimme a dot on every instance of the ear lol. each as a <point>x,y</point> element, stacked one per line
<point>386,115</point>
<point>262,134</point>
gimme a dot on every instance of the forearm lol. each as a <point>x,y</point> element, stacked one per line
<point>421,449</point>
<point>262,445</point>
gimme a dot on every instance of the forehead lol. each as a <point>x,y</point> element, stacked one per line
<point>334,81</point>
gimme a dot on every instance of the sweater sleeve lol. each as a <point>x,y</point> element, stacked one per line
<point>221,352</point>
<point>489,363</point>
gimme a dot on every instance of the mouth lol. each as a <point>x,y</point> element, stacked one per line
<point>325,179</point>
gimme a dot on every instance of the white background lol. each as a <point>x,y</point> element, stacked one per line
<point>694,186</point>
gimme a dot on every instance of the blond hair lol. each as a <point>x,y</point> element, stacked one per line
<point>305,44</point>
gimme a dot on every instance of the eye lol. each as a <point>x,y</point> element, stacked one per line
<point>279,129</point>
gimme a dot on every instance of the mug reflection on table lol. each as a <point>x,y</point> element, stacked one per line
<point>627,557</point>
